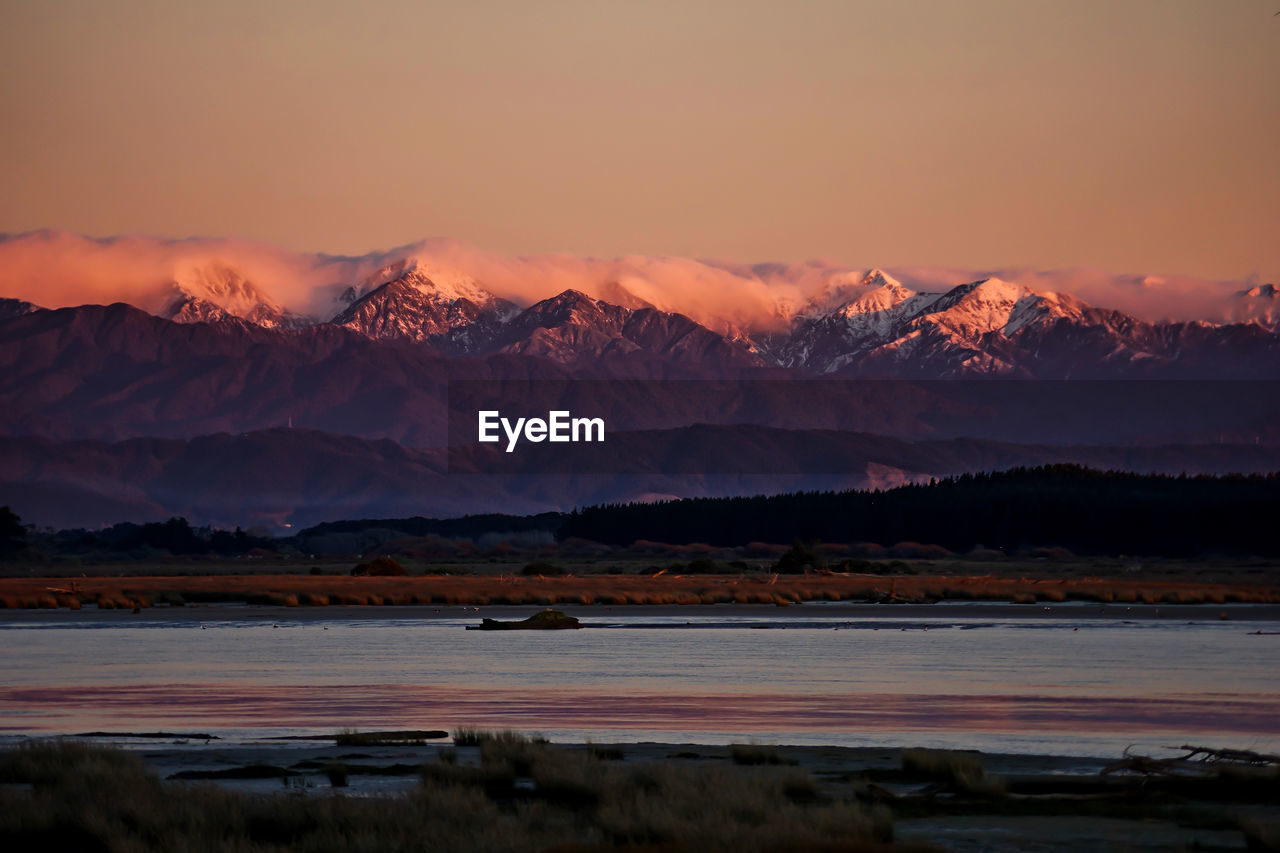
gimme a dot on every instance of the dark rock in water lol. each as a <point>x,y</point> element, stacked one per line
<point>547,620</point>
<point>401,737</point>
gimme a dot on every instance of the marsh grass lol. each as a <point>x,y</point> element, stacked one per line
<point>91,798</point>
<point>678,587</point>
<point>663,805</point>
<point>337,773</point>
<point>605,752</point>
<point>490,737</point>
<point>750,754</point>
<point>958,772</point>
<point>1261,833</point>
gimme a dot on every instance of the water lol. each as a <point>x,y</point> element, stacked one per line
<point>1067,683</point>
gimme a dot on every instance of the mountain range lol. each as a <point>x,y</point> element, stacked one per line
<point>870,326</point>
<point>112,412</point>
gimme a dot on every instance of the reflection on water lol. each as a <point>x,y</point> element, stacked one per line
<point>1062,685</point>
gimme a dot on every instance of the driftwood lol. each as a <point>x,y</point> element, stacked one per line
<point>1193,763</point>
<point>1148,766</point>
<point>1236,756</point>
<point>547,620</point>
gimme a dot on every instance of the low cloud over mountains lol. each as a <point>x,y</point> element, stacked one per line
<point>56,269</point>
<point>192,358</point>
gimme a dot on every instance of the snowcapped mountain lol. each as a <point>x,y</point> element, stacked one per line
<point>213,293</point>
<point>817,320</point>
<point>874,290</point>
<point>573,327</point>
<point>1259,304</point>
<point>451,311</point>
<point>878,327</point>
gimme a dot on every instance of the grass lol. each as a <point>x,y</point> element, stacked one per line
<point>518,794</point>
<point>94,798</point>
<point>481,737</point>
<point>664,805</point>
<point>642,588</point>
<point>605,752</point>
<point>956,772</point>
<point>750,754</point>
<point>337,774</point>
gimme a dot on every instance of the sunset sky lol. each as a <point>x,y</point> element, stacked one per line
<point>1128,135</point>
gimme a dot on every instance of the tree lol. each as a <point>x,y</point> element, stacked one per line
<point>13,536</point>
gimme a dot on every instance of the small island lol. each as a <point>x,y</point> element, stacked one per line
<point>547,620</point>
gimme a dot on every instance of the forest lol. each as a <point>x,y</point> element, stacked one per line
<point>1066,506</point>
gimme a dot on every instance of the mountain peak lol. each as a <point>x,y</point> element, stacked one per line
<point>995,289</point>
<point>10,308</point>
<point>1261,291</point>
<point>885,294</point>
<point>1259,304</point>
<point>846,292</point>
<point>410,304</point>
<point>569,296</point>
<point>879,278</point>
<point>440,284</point>
<point>570,306</point>
<point>217,292</point>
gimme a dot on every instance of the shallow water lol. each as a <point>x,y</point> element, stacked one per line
<point>1066,683</point>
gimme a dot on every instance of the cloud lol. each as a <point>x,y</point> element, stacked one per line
<point>1146,297</point>
<point>57,269</point>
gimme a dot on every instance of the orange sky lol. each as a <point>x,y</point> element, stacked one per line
<point>1130,135</point>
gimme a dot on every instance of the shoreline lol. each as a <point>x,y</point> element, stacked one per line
<point>676,592</point>
<point>818,614</point>
<point>917,798</point>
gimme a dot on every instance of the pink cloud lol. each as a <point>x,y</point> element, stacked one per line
<point>57,269</point>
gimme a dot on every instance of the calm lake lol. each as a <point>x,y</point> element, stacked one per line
<point>990,678</point>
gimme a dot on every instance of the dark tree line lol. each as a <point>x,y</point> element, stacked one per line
<point>175,536</point>
<point>13,536</point>
<point>466,527</point>
<point>1086,511</point>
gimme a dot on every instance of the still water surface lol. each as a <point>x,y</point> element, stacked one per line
<point>1068,684</point>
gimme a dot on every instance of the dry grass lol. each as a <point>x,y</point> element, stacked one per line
<point>756,754</point>
<point>958,772</point>
<point>615,590</point>
<point>91,798</point>
<point>661,804</point>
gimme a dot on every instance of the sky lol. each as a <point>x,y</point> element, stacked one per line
<point>1135,136</point>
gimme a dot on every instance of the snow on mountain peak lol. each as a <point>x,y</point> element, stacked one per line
<point>435,282</point>
<point>845,291</point>
<point>881,298</point>
<point>878,277</point>
<point>994,290</point>
<point>224,286</point>
<point>1259,304</point>
<point>215,292</point>
<point>980,307</point>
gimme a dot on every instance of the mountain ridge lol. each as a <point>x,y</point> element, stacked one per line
<point>873,327</point>
<point>294,477</point>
